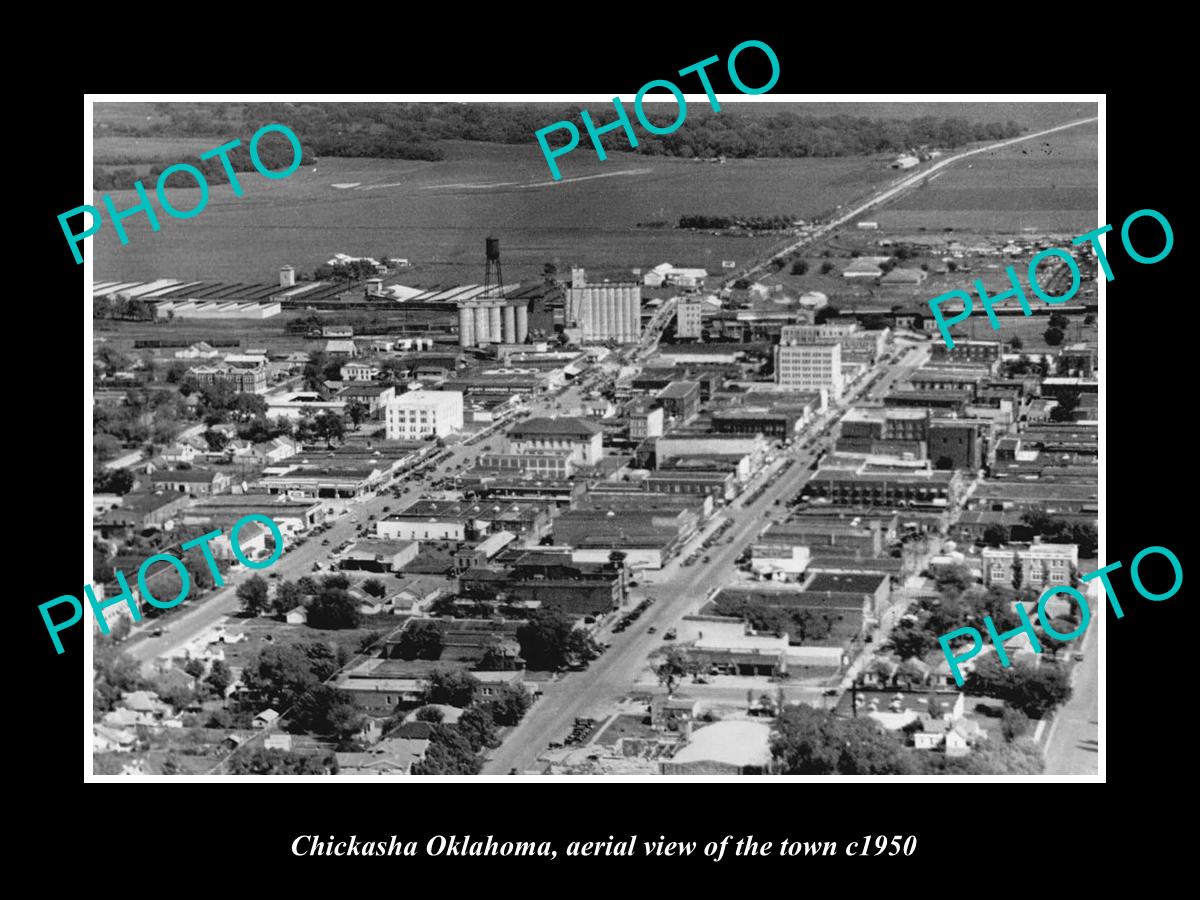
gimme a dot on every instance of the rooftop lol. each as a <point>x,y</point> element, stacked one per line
<point>733,742</point>
<point>561,426</point>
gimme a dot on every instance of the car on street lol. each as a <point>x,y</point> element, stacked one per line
<point>652,630</point>
<point>1078,657</point>
<point>157,632</point>
<point>325,542</point>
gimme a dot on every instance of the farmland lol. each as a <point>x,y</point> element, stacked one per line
<point>1039,185</point>
<point>437,213</point>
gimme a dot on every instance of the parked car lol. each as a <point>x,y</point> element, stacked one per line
<point>1078,657</point>
<point>325,542</point>
<point>652,630</point>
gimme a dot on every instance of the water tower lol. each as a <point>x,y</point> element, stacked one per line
<point>493,281</point>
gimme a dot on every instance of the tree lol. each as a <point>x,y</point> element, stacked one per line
<point>675,665</point>
<point>808,741</point>
<point>431,714</point>
<point>510,704</point>
<point>1053,337</point>
<point>254,594</point>
<point>550,640</point>
<point>114,481</point>
<point>995,535</point>
<point>220,718</point>
<point>1018,571</point>
<point>288,595</point>
<point>1051,644</point>
<point>370,641</point>
<point>327,710</point>
<point>1032,689</point>
<point>280,675</point>
<point>1016,343</point>
<point>216,439</point>
<point>907,640</point>
<point>334,608</point>
<point>422,639</point>
<point>449,753</point>
<point>1087,537</point>
<point>194,667</point>
<point>219,677</point>
<point>1058,320</point>
<point>357,411</point>
<point>119,630</point>
<point>826,267</point>
<point>1013,723</point>
<point>800,267</point>
<point>177,695</point>
<point>322,660</point>
<point>281,762</point>
<point>956,578</point>
<point>454,687</point>
<point>329,427</point>
<point>374,587</point>
<point>997,757</point>
<point>478,727</point>
<point>115,674</point>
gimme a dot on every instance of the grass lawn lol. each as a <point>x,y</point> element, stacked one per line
<point>631,726</point>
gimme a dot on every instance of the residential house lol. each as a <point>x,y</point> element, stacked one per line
<point>194,481</point>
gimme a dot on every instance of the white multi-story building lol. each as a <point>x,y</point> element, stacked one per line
<point>419,414</point>
<point>687,319</point>
<point>810,367</point>
<point>584,439</point>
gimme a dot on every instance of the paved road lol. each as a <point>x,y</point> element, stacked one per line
<point>901,186</point>
<point>1073,747</point>
<point>677,590</point>
<point>190,622</point>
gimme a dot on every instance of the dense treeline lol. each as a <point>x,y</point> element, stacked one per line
<point>274,151</point>
<point>412,130</point>
<point>753,223</point>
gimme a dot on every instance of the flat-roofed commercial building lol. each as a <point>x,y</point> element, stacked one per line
<point>582,438</point>
<point>862,487</point>
<point>810,367</point>
<point>967,351</point>
<point>1042,565</point>
<point>419,414</point>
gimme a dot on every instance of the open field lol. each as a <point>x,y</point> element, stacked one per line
<point>1047,185</point>
<point>437,214</point>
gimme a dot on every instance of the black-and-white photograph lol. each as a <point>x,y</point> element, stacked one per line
<point>484,439</point>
